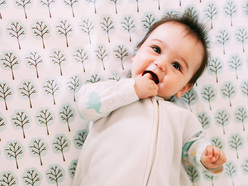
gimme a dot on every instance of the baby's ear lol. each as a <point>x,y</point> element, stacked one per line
<point>185,89</point>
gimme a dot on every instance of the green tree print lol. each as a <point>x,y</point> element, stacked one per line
<point>14,150</point>
<point>235,143</point>
<point>222,118</point>
<point>231,170</point>
<point>241,116</point>
<point>55,174</point>
<point>61,144</point>
<point>38,148</point>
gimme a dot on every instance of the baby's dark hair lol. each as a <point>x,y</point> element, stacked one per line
<point>194,28</point>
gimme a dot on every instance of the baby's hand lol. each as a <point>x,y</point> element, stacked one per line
<point>145,87</point>
<point>212,157</point>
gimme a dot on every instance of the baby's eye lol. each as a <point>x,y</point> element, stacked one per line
<point>156,49</point>
<point>177,66</point>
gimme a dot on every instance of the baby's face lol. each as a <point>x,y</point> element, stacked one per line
<point>172,57</point>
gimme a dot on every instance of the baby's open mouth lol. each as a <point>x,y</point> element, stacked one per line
<point>154,76</point>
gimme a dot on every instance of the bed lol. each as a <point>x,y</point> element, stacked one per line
<point>50,48</point>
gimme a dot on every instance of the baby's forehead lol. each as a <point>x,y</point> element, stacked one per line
<point>180,28</point>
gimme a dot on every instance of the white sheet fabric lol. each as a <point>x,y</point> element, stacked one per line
<point>53,47</point>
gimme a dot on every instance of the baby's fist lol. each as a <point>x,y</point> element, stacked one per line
<point>213,157</point>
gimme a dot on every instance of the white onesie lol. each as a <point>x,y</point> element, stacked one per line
<point>136,142</point>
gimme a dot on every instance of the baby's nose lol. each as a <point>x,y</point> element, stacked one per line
<point>160,64</point>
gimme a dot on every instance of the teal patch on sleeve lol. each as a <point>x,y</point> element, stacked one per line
<point>94,102</point>
<point>194,158</point>
<point>186,148</point>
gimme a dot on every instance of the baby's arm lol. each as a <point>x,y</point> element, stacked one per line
<point>97,100</point>
<point>213,157</point>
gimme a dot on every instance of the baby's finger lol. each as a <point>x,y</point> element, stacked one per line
<point>217,152</point>
<point>209,151</point>
<point>148,75</point>
<point>221,158</point>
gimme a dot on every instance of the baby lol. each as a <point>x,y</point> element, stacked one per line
<point>138,138</point>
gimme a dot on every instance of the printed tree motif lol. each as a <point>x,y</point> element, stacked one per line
<point>58,58</point>
<point>217,142</point>
<point>189,98</point>
<point>209,177</point>
<point>13,151</point>
<point>16,31</point>
<point>191,12</point>
<point>51,88</point>
<point>66,115</point>
<point>137,2</point>
<point>48,3</point>
<point>40,30</point>
<point>94,2</point>
<point>81,56</point>
<point>121,53</point>
<point>235,64</point>
<point>245,166</point>
<point>71,3</point>
<point>38,148</point>
<point>193,173</point>
<point>242,37</point>
<point>80,138</point>
<point>158,4</point>
<point>73,84</point>
<point>228,91</point>
<point>148,21</point>
<point>211,12</point>
<point>94,78</point>
<point>128,24</point>
<point>31,177</point>
<point>45,118</point>
<point>87,27</point>
<point>64,29</point>
<point>55,174</point>
<point>241,116</point>
<point>222,38</point>
<point>27,90</point>
<point>23,4</point>
<point>246,8</point>
<point>2,123</point>
<point>34,60</point>
<point>61,144</point>
<point>208,94</point>
<point>230,10</point>
<point>244,89</point>
<point>222,119</point>
<point>4,93</point>
<point>214,67</point>
<point>115,2</point>
<point>171,14</point>
<point>8,179</point>
<point>21,120</point>
<point>9,61</point>
<point>72,168</point>
<point>180,2</point>
<point>204,119</point>
<point>231,170</point>
<point>2,2</point>
<point>107,26</point>
<point>101,53</point>
<point>115,76</point>
<point>235,143</point>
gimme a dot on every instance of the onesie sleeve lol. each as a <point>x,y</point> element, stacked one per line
<point>193,149</point>
<point>97,100</point>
